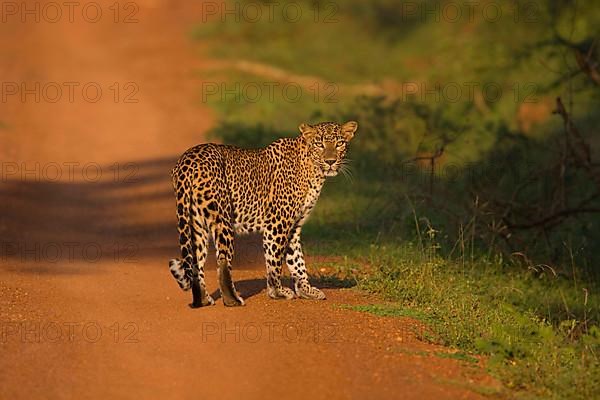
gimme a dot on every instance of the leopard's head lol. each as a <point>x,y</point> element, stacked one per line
<point>328,143</point>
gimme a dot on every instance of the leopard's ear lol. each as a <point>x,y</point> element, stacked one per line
<point>348,130</point>
<point>307,131</point>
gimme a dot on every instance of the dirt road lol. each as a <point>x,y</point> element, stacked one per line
<point>87,305</point>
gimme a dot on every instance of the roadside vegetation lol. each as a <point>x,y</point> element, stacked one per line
<point>478,215</point>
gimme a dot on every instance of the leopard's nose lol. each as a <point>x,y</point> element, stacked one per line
<point>330,162</point>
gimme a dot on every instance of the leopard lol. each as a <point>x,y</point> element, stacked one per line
<point>222,191</point>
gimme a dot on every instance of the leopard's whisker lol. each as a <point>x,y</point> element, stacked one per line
<point>347,172</point>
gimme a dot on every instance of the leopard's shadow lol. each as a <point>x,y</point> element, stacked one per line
<point>251,287</point>
<point>247,288</point>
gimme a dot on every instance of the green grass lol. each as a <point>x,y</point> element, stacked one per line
<point>539,331</point>
<point>537,328</point>
<point>460,356</point>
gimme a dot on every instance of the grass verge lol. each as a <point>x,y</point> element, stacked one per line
<point>539,331</point>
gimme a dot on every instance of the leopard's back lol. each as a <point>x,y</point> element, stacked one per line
<point>246,181</point>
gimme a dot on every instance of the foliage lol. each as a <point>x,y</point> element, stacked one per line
<point>437,178</point>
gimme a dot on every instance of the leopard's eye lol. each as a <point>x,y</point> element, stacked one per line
<point>320,145</point>
<point>340,144</point>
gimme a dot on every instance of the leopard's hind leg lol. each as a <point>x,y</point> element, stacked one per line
<point>200,246</point>
<point>223,238</point>
<point>188,270</point>
<point>217,213</point>
<point>182,268</point>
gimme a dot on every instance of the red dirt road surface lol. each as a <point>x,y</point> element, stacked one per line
<point>88,308</point>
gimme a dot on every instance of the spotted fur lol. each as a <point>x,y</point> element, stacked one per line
<point>222,190</point>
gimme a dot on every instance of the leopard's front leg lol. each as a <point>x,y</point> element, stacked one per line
<point>274,242</point>
<point>297,267</point>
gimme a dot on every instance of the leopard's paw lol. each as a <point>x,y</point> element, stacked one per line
<point>209,301</point>
<point>205,302</point>
<point>281,293</point>
<point>233,301</point>
<point>310,293</point>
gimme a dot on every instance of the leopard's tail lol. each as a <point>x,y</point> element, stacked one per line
<point>182,269</point>
<point>180,273</point>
